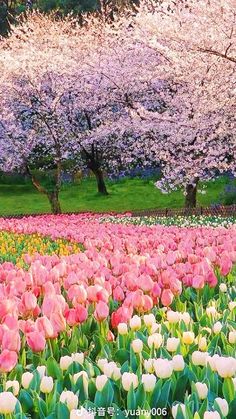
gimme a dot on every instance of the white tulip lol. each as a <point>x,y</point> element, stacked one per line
<point>78,357</point>
<point>129,378</point>
<point>232,305</point>
<point>101,381</point>
<point>26,379</point>
<point>202,344</point>
<point>116,374</point>
<point>109,368</point>
<point>148,365</point>
<point>217,327</point>
<point>223,287</point>
<point>185,317</point>
<point>173,316</point>
<point>223,405</point>
<point>65,362</point>
<point>174,409</point>
<point>154,328</point>
<point>101,363</point>
<point>70,399</point>
<point>41,370</point>
<point>155,339</point>
<point>178,363</point>
<point>226,367</point>
<point>211,311</point>
<point>122,329</point>
<point>149,319</point>
<point>14,385</point>
<point>202,390</point>
<point>137,345</point>
<point>211,415</point>
<point>46,385</point>
<point>149,382</point>
<point>232,337</point>
<point>7,402</point>
<point>80,374</point>
<point>172,344</point>
<point>212,360</point>
<point>199,358</point>
<point>163,368</point>
<point>135,323</point>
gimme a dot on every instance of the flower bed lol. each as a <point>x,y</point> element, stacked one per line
<point>117,320</point>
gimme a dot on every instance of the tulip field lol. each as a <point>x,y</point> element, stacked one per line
<point>109,316</point>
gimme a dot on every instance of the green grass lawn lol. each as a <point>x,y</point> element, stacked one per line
<point>124,195</point>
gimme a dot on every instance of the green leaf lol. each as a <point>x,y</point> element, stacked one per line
<point>156,394</point>
<point>164,398</point>
<point>53,369</point>
<point>26,400</point>
<point>180,389</point>
<point>131,399</point>
<point>62,411</point>
<point>228,389</point>
<point>122,355</point>
<point>141,396</point>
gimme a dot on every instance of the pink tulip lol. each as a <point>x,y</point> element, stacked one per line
<point>29,301</point>
<point>198,282</point>
<point>44,326</point>
<point>101,311</point>
<point>8,360</point>
<point>71,317</point>
<point>166,297</point>
<point>11,340</point>
<point>58,322</point>
<point>81,313</point>
<point>36,341</point>
<point>118,294</point>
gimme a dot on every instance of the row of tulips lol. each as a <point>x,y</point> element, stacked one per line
<point>143,318</point>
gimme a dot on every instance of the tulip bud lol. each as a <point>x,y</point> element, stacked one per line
<point>108,368</point>
<point>7,402</point>
<point>26,379</point>
<point>154,328</point>
<point>149,382</point>
<point>173,316</point>
<point>232,337</point>
<point>129,378</point>
<point>41,370</point>
<point>174,409</point>
<point>163,368</point>
<point>14,385</point>
<point>185,317</point>
<point>65,362</point>
<point>80,374</point>
<point>172,344</point>
<point>46,385</point>
<point>78,357</point>
<point>178,363</point>
<point>188,338</point>
<point>202,344</point>
<point>217,327</point>
<point>122,329</point>
<point>70,399</point>
<point>116,374</point>
<point>148,365</point>
<point>202,390</point>
<point>211,311</point>
<point>211,415</point>
<point>223,405</point>
<point>223,287</point>
<point>199,358</point>
<point>101,362</point>
<point>135,323</point>
<point>232,305</point>
<point>101,381</point>
<point>155,339</point>
<point>149,319</point>
<point>137,346</point>
<point>211,360</point>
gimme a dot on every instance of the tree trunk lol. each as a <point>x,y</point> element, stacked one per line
<point>191,195</point>
<point>100,182</point>
<point>54,202</point>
